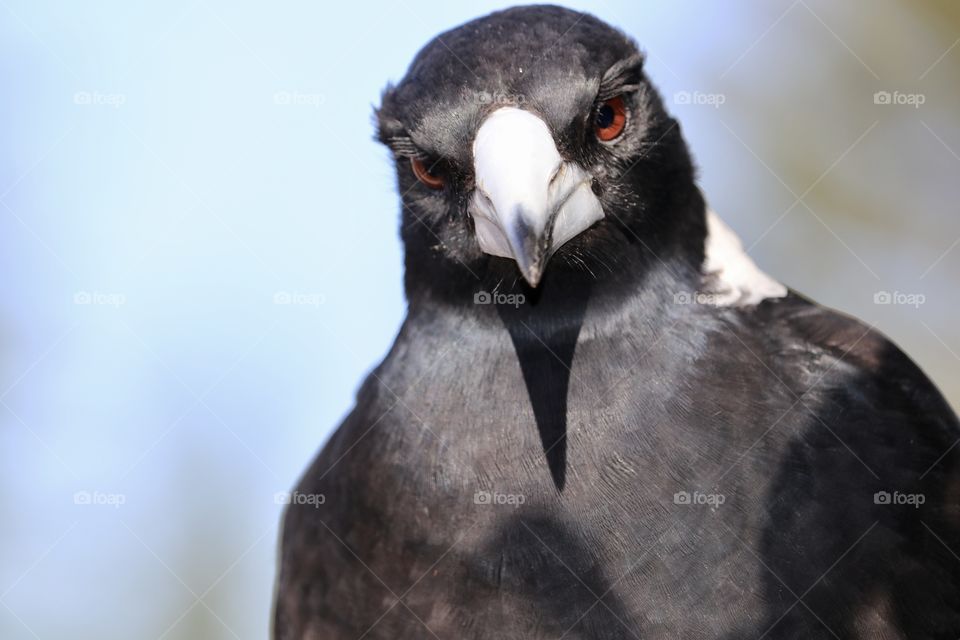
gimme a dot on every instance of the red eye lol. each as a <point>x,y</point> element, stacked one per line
<point>610,119</point>
<point>425,174</point>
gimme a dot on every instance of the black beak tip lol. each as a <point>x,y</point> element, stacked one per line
<point>532,268</point>
<point>533,276</point>
<point>531,251</point>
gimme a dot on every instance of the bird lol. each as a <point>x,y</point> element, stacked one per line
<point>600,418</point>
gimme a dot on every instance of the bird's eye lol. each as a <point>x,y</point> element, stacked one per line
<point>610,119</point>
<point>426,173</point>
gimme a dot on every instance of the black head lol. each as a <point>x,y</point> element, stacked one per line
<point>532,138</point>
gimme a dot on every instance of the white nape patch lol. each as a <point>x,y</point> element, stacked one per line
<point>730,276</point>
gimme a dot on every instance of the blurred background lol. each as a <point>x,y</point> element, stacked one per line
<point>200,262</point>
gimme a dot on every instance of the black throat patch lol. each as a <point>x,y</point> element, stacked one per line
<point>544,335</point>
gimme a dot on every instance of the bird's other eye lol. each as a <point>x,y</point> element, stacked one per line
<point>426,173</point>
<point>610,119</point>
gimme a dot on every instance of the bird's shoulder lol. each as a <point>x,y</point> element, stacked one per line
<point>841,350</point>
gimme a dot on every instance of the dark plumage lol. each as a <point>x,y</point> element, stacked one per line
<point>595,406</point>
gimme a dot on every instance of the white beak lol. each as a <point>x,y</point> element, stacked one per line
<point>528,202</point>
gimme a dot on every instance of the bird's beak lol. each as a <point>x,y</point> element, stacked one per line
<point>528,201</point>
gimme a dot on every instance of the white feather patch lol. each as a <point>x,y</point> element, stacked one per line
<point>730,276</point>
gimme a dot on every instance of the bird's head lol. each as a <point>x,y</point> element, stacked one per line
<point>530,142</point>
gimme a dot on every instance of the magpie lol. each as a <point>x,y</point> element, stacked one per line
<point>600,419</point>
